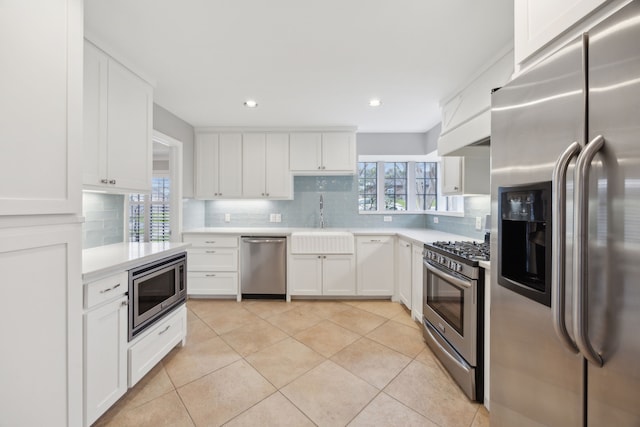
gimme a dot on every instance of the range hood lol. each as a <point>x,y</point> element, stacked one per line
<point>466,116</point>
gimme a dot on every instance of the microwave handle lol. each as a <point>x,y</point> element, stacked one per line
<point>580,244</point>
<point>558,245</point>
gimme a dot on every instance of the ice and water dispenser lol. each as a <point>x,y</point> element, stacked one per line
<point>524,240</point>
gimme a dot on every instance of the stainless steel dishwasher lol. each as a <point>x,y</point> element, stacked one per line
<point>263,267</point>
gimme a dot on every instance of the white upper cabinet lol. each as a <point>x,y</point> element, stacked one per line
<point>41,107</point>
<point>538,22</point>
<point>118,109</point>
<point>218,165</point>
<point>265,166</point>
<point>326,153</point>
<point>465,175</point>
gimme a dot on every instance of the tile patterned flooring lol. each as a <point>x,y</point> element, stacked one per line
<point>304,363</point>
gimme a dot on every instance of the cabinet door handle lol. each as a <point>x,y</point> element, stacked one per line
<point>112,181</point>
<point>104,291</point>
<point>104,181</point>
<point>164,330</point>
<point>209,241</point>
<point>210,275</point>
<point>455,188</point>
<point>375,240</point>
<point>211,252</point>
<point>267,194</point>
<point>125,303</point>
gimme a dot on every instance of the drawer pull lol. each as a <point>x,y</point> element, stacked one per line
<point>164,330</point>
<point>209,241</point>
<point>104,291</point>
<point>210,275</point>
<point>211,252</point>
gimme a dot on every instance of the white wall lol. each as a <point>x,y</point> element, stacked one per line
<point>171,125</point>
<point>391,143</point>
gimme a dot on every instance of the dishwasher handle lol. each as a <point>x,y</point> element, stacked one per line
<point>263,240</point>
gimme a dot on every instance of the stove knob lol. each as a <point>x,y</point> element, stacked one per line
<point>459,267</point>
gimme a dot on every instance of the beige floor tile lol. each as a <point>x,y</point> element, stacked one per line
<point>373,362</point>
<point>406,319</point>
<point>329,395</point>
<point>327,338</point>
<point>294,321</point>
<point>386,411</point>
<point>198,331</point>
<point>432,394</point>
<point>268,308</point>
<point>205,306</point>
<point>399,337</point>
<point>284,361</point>
<point>321,308</point>
<point>191,316</point>
<point>253,337</point>
<point>275,410</point>
<point>188,363</point>
<point>166,410</point>
<point>482,418</point>
<point>385,308</point>
<point>229,319</point>
<point>155,384</point>
<point>358,321</point>
<point>224,394</point>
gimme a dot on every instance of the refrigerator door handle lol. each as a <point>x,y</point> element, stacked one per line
<point>580,244</point>
<point>558,245</point>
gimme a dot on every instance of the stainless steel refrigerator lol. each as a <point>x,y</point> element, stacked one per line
<point>565,258</point>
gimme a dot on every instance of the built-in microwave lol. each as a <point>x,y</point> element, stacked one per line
<point>155,289</point>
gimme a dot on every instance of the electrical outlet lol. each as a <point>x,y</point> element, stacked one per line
<point>478,223</point>
<point>435,219</point>
<point>272,217</point>
<point>278,217</point>
<point>227,217</point>
<point>387,219</point>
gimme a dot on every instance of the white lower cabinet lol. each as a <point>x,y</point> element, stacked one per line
<point>375,265</point>
<point>404,272</point>
<point>417,286</point>
<point>322,275</point>
<point>105,352</point>
<point>147,350</point>
<point>212,266</point>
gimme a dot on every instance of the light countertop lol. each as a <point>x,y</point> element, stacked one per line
<point>105,260</point>
<point>418,235</point>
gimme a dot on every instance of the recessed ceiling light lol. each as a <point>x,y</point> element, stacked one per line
<point>375,103</point>
<point>250,103</point>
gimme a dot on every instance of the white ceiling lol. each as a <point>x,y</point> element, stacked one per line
<point>307,63</point>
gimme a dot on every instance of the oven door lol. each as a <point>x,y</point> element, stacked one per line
<point>450,305</point>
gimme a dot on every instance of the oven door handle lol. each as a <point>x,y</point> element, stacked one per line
<point>446,276</point>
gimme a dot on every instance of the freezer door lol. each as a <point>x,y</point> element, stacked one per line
<point>614,226</point>
<point>535,380</point>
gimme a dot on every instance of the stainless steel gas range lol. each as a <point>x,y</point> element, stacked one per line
<point>453,323</point>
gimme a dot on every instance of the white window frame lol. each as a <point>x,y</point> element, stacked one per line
<point>455,203</point>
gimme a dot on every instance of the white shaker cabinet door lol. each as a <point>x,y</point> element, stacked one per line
<point>339,152</point>
<point>404,272</point>
<point>253,165</point>
<point>305,275</point>
<point>40,107</point>
<point>278,180</point>
<point>206,162</point>
<point>129,127</point>
<point>105,357</point>
<point>338,275</point>
<point>230,165</point>
<point>305,152</point>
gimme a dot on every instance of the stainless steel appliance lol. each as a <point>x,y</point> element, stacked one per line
<point>453,311</point>
<point>263,267</point>
<point>574,120</point>
<point>155,289</point>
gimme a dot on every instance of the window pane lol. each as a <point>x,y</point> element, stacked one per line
<point>426,186</point>
<point>395,186</point>
<point>136,223</point>
<point>367,186</point>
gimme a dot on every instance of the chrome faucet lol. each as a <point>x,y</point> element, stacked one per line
<point>321,211</point>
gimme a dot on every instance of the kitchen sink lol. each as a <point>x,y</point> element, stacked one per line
<point>322,242</point>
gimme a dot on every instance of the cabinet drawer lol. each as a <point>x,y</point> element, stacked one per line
<point>212,283</point>
<point>211,241</point>
<point>201,259</point>
<point>105,289</point>
<point>149,349</point>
